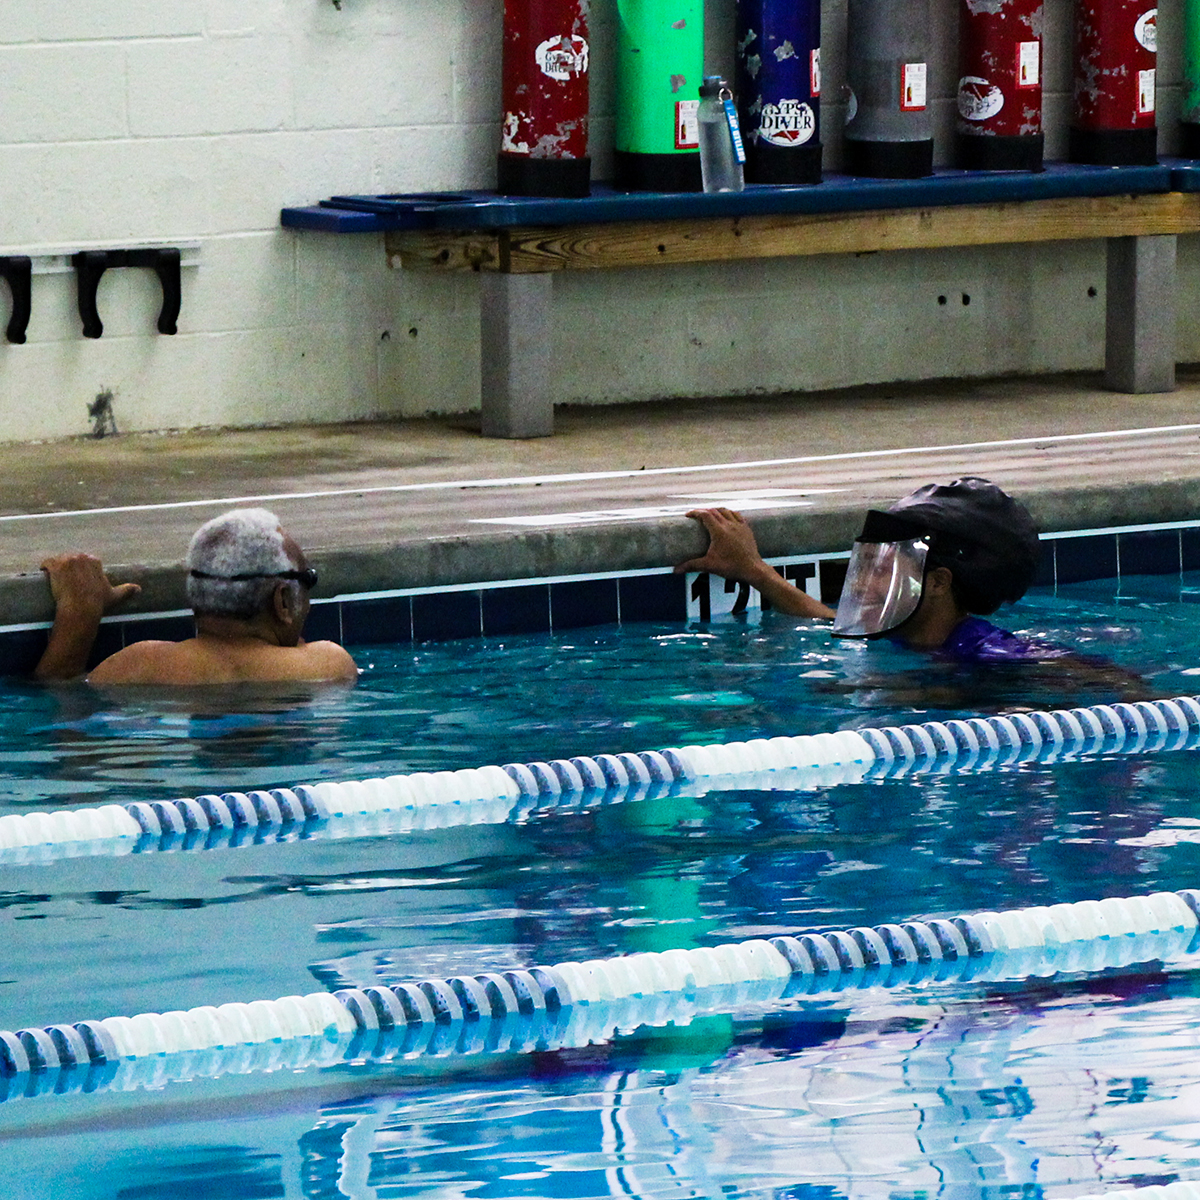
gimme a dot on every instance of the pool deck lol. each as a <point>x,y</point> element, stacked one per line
<point>428,503</point>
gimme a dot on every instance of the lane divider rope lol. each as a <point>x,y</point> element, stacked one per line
<point>574,1004</point>
<point>493,795</point>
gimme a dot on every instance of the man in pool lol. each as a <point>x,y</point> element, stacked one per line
<point>924,573</point>
<point>248,584</point>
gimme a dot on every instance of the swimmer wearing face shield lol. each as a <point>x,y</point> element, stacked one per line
<point>924,573</point>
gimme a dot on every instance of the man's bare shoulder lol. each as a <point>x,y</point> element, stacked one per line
<point>330,660</point>
<point>215,661</point>
<point>148,662</point>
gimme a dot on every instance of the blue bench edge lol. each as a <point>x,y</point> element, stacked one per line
<point>468,211</point>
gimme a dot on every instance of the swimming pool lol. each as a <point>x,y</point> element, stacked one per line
<point>1055,1089</point>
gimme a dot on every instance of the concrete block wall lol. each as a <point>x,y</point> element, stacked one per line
<point>195,121</point>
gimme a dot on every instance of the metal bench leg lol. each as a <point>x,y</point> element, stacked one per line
<point>515,356</point>
<point>1139,343</point>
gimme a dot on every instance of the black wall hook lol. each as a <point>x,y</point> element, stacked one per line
<point>17,271</point>
<point>91,264</point>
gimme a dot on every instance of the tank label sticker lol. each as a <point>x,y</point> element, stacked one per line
<point>687,124</point>
<point>978,99</point>
<point>787,123</point>
<point>1146,31</point>
<point>913,78</point>
<point>814,72</point>
<point>562,58</point>
<point>1029,64</point>
<point>1145,92</point>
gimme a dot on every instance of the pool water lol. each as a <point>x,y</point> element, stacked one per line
<point>1056,1089</point>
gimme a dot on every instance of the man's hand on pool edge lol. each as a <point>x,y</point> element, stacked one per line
<point>82,594</point>
<point>733,554</point>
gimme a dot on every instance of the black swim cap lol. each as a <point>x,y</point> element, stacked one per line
<point>986,538</point>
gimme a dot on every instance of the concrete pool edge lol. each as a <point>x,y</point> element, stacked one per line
<point>655,544</point>
<point>526,561</point>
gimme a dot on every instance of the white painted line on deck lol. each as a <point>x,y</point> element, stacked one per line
<point>748,501</point>
<point>584,476</point>
<point>746,497</point>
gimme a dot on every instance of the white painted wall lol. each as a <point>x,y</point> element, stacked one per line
<point>163,121</point>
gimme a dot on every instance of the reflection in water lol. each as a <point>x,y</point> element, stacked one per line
<point>213,1172</point>
<point>219,731</point>
<point>945,1097</point>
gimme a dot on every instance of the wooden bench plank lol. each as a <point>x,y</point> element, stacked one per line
<point>652,243</point>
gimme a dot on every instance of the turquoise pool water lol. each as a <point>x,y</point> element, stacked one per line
<point>1057,1089</point>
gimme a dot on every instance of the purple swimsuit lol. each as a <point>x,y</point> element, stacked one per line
<point>978,641</point>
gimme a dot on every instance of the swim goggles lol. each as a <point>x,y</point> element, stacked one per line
<point>306,577</point>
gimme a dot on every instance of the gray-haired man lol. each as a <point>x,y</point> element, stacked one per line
<point>248,584</point>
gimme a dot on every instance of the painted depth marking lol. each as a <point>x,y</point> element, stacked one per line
<point>747,501</point>
<point>533,480</point>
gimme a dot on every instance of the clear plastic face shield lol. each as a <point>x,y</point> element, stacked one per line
<point>883,587</point>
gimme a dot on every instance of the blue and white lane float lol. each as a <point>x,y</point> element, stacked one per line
<point>493,795</point>
<point>574,1004</point>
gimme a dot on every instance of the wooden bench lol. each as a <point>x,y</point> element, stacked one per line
<point>518,244</point>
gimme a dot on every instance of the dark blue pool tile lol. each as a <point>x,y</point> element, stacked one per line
<point>1149,552</point>
<point>384,621</point>
<point>1150,587</point>
<point>1044,576</point>
<point>516,609</point>
<point>109,640</point>
<point>583,602</point>
<point>440,617</point>
<point>21,649</point>
<point>324,623</point>
<point>159,629</point>
<point>833,578</point>
<point>653,598</point>
<point>1077,559</point>
<point>1189,549</point>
